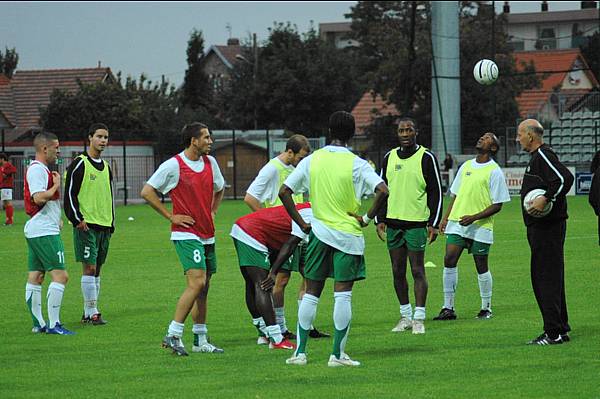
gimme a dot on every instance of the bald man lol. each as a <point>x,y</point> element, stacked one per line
<point>546,234</point>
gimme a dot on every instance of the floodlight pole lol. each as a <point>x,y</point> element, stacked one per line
<point>493,58</point>
<point>254,72</point>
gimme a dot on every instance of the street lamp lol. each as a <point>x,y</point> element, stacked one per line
<point>254,72</point>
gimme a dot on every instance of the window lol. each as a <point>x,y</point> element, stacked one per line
<point>547,39</point>
<point>517,45</point>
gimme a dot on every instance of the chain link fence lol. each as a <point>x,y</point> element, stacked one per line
<point>241,154</point>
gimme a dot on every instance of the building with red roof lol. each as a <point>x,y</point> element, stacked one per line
<point>565,84</point>
<point>219,61</point>
<point>22,97</point>
<point>370,107</point>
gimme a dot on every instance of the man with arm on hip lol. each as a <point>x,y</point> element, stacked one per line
<point>195,184</point>
<point>337,180</point>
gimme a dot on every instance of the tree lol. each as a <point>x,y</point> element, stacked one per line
<point>591,54</point>
<point>395,66</point>
<point>8,62</point>
<point>300,81</point>
<point>396,46</point>
<point>135,109</point>
<point>196,87</point>
<point>478,111</point>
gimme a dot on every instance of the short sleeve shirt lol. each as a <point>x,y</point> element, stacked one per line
<point>166,179</point>
<point>365,181</point>
<point>499,194</point>
<point>47,221</point>
<point>265,187</point>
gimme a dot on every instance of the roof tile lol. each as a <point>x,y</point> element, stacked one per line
<point>530,101</point>
<point>28,90</point>
<point>369,108</point>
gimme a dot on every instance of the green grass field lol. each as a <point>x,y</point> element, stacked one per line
<point>142,281</point>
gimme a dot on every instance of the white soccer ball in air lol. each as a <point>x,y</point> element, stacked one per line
<point>528,200</point>
<point>485,72</point>
<point>130,218</point>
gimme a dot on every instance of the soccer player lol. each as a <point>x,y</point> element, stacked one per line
<point>7,178</point>
<point>546,234</point>
<point>594,195</point>
<point>264,189</point>
<point>89,207</point>
<point>410,219</point>
<point>195,184</point>
<point>477,194</point>
<point>337,180</point>
<point>264,192</point>
<point>258,237</point>
<point>42,231</point>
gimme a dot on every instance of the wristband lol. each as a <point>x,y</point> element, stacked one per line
<point>366,219</point>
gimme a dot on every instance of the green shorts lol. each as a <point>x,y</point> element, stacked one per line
<point>293,262</point>
<point>46,253</point>
<point>195,255</point>
<point>249,256</point>
<point>474,247</point>
<point>414,239</point>
<point>324,261</point>
<point>91,247</point>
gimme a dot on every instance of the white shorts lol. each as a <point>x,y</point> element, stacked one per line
<point>6,194</point>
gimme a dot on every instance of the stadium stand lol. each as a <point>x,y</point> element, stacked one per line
<point>574,137</point>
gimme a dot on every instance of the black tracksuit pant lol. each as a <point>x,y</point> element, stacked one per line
<point>548,274</point>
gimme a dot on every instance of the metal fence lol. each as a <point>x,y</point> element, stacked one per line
<point>128,177</point>
<point>241,154</point>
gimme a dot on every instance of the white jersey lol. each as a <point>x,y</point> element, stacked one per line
<point>498,193</point>
<point>47,221</point>
<point>365,180</point>
<point>265,186</point>
<point>166,179</point>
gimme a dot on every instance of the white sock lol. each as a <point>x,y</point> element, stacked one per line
<point>33,297</point>
<point>419,313</point>
<point>175,329</point>
<point>307,311</point>
<point>274,332</point>
<point>97,289</point>
<point>280,318</point>
<point>55,297</point>
<point>342,314</point>
<point>450,281</point>
<point>299,302</point>
<point>406,311</point>
<point>202,331</point>
<point>90,295</point>
<point>260,323</point>
<point>485,289</point>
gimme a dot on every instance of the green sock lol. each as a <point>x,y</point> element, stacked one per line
<point>338,338</point>
<point>302,339</point>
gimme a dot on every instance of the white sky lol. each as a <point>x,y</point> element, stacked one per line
<point>151,37</point>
